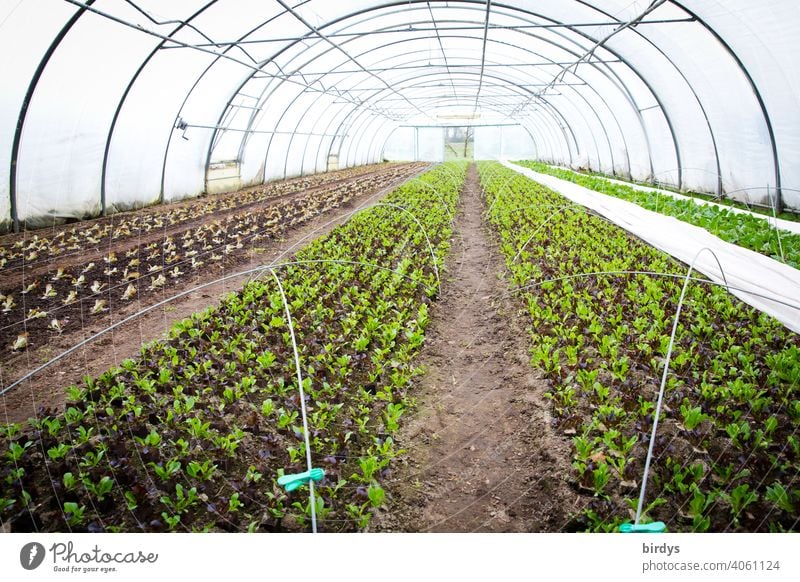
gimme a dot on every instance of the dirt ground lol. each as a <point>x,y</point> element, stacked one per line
<point>10,275</point>
<point>481,455</point>
<point>46,389</point>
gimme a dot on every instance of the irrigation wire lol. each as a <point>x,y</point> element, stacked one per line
<point>265,231</point>
<point>657,412</point>
<point>312,499</point>
<point>186,292</point>
<point>258,269</point>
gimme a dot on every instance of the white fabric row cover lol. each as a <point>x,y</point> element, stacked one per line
<point>114,104</point>
<point>754,278</point>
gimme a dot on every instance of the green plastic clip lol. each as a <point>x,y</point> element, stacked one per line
<point>292,482</point>
<point>653,527</point>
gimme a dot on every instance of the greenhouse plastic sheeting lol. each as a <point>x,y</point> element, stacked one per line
<point>745,270</point>
<point>115,104</point>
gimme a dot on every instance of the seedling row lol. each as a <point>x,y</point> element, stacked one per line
<point>744,230</point>
<point>67,296</point>
<point>727,454</point>
<point>35,247</point>
<point>193,433</point>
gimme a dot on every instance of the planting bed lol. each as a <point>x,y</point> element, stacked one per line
<point>116,269</point>
<point>192,434</point>
<point>727,454</point>
<point>723,200</point>
<point>32,248</point>
<point>747,231</point>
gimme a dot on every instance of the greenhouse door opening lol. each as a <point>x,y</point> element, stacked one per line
<point>459,143</point>
<point>456,142</point>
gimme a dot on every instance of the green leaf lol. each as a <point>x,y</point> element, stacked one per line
<point>376,495</point>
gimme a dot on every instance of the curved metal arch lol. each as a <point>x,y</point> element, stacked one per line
<point>382,149</point>
<point>620,86</point>
<point>230,100</point>
<point>610,74</point>
<point>523,124</point>
<point>26,101</point>
<point>761,103</point>
<point>515,13</point>
<point>545,104</point>
<point>635,71</point>
<point>237,91</point>
<point>343,112</point>
<point>371,147</point>
<point>755,88</point>
<point>311,34</point>
<point>548,130</point>
<point>286,110</point>
<point>553,111</point>
<point>358,111</point>
<point>553,144</point>
<point>185,23</point>
<point>606,71</point>
<point>278,85</point>
<point>319,149</point>
<point>194,85</point>
<point>165,156</point>
<point>515,10</point>
<point>360,124</point>
<point>333,120</point>
<point>688,85</point>
<point>124,97</point>
<point>530,125</point>
<point>580,95</point>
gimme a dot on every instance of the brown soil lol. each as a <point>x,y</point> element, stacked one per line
<point>9,276</point>
<point>481,455</point>
<point>46,389</point>
<point>167,264</point>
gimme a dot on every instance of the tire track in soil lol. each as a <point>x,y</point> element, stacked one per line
<point>481,455</point>
<point>47,389</point>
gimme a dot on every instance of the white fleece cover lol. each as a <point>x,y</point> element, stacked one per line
<point>745,270</point>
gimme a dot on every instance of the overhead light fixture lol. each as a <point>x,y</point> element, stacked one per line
<point>459,116</point>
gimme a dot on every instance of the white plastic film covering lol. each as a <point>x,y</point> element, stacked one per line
<point>400,145</point>
<point>276,158</point>
<point>354,148</point>
<point>21,54</point>
<point>741,139</point>
<point>488,143</point>
<point>146,125</point>
<point>66,128</point>
<point>700,94</point>
<point>765,40</point>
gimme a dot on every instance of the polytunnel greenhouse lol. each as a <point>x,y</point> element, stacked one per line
<point>399,266</point>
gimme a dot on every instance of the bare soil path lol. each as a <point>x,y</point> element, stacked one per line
<point>481,455</point>
<point>46,389</point>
